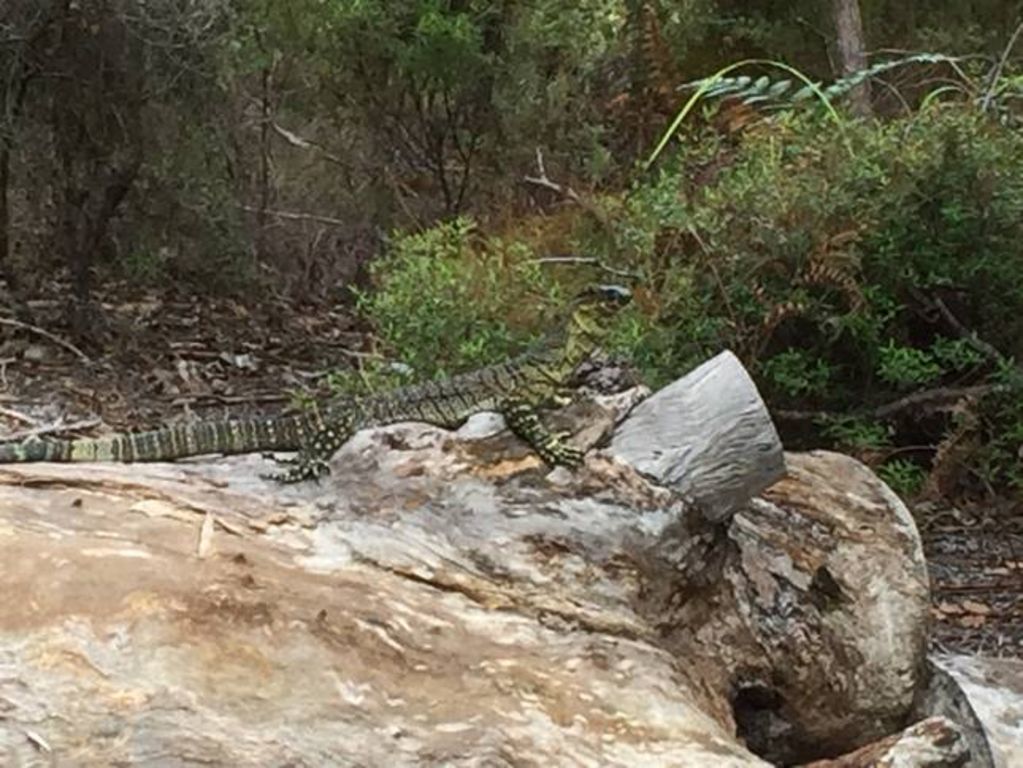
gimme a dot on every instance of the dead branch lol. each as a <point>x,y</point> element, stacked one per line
<point>566,192</point>
<point>18,416</point>
<point>544,181</point>
<point>996,75</point>
<point>52,429</point>
<point>928,398</point>
<point>296,216</point>
<point>297,141</point>
<point>46,335</point>
<point>253,399</point>
<point>970,337</point>
<point>587,260</point>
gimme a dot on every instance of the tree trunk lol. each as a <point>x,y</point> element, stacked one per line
<point>97,128</point>
<point>23,68</point>
<point>852,54</point>
<point>265,160</point>
<point>5,217</point>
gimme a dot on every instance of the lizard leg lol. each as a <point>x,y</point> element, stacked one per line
<point>311,461</point>
<point>524,421</point>
<point>305,467</point>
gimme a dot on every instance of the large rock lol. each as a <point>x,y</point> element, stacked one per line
<point>423,606</point>
<point>707,436</point>
<point>811,611</point>
<point>933,743</point>
<point>443,599</point>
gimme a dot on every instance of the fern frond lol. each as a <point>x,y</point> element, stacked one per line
<point>779,94</point>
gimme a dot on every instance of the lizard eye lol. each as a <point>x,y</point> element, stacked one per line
<point>615,294</point>
<point>608,297</point>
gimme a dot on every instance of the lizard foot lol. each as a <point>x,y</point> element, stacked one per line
<point>301,469</point>
<point>558,453</point>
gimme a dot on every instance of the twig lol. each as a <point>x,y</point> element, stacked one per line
<point>999,67</point>
<point>18,416</point>
<point>297,141</point>
<point>934,398</point>
<point>543,181</point>
<point>565,191</point>
<point>52,429</point>
<point>229,399</point>
<point>296,216</point>
<point>970,337</point>
<point>710,262</point>
<point>926,398</point>
<point>47,335</point>
<point>587,260</point>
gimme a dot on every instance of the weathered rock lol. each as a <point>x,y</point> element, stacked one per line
<point>985,698</point>
<point>443,599</point>
<point>812,612</point>
<point>939,695</point>
<point>422,607</point>
<point>932,743</point>
<point>707,436</point>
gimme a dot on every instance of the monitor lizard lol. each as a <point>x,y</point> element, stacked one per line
<point>515,388</point>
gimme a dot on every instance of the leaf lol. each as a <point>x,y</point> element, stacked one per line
<point>945,608</point>
<point>972,606</point>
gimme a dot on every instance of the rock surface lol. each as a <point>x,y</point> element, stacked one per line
<point>932,743</point>
<point>443,599</point>
<point>812,611</point>
<point>708,436</point>
<point>993,691</point>
<point>422,607</point>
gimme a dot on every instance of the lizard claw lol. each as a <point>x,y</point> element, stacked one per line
<point>562,454</point>
<point>288,462</point>
<point>310,469</point>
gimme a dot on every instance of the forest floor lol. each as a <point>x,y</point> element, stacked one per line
<point>167,357</point>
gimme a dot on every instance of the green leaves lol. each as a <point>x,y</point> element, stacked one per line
<point>449,299</point>
<point>796,372</point>
<point>905,367</point>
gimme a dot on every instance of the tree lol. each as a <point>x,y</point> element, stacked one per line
<point>22,25</point>
<point>852,53</point>
<point>96,100</point>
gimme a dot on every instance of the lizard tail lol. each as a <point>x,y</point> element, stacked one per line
<point>243,436</point>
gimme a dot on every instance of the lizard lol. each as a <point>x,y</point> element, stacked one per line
<point>516,388</point>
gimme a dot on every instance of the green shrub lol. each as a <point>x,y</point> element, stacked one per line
<point>832,267</point>
<point>448,299</point>
<point>905,477</point>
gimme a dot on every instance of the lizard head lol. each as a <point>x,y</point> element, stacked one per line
<point>601,301</point>
<point>594,305</point>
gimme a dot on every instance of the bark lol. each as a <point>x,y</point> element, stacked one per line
<point>852,51</point>
<point>5,215</point>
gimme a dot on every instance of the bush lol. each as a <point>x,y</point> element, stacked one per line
<point>449,298</point>
<point>843,272</point>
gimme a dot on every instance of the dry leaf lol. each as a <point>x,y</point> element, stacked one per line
<point>972,606</point>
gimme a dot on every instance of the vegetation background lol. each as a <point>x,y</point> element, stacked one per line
<point>834,190</point>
